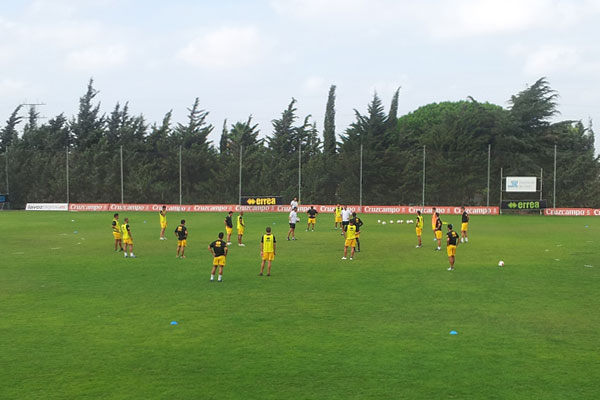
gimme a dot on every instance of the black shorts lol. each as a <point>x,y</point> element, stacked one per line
<point>293,226</point>
<point>345,224</point>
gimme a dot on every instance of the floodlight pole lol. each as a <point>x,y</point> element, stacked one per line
<point>488,178</point>
<point>554,190</point>
<point>361,178</point>
<point>180,192</point>
<point>121,153</point>
<point>541,186</point>
<point>67,167</point>
<point>240,180</point>
<point>423,194</point>
<point>501,179</point>
<point>6,168</point>
<point>299,170</point>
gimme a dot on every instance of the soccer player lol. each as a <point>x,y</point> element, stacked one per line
<point>338,216</point>
<point>267,250</point>
<point>350,234</point>
<point>438,232</point>
<point>312,218</point>
<point>294,203</point>
<point>433,222</point>
<point>240,228</point>
<point>293,218</point>
<point>182,233</point>
<point>116,230</point>
<point>464,227</point>
<point>358,223</point>
<point>162,214</point>
<point>346,213</point>
<point>229,226</point>
<point>451,244</point>
<point>127,238</point>
<point>218,249</point>
<point>419,228</point>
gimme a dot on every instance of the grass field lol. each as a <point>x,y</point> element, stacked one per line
<point>79,321</point>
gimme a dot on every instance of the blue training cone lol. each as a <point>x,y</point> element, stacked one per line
<point>453,333</point>
<point>173,322</point>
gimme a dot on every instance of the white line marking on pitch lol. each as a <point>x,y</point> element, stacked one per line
<point>55,248</point>
<point>20,252</point>
<point>588,266</point>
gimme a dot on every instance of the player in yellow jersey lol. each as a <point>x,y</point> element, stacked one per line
<point>464,226</point>
<point>338,216</point>
<point>229,226</point>
<point>451,244</point>
<point>433,222</point>
<point>240,228</point>
<point>267,250</point>
<point>350,234</point>
<point>218,249</point>
<point>438,231</point>
<point>127,238</point>
<point>116,230</point>
<point>163,222</point>
<point>419,228</point>
<point>181,233</point>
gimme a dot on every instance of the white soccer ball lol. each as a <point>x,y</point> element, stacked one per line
<point>378,221</point>
<point>383,223</point>
<point>400,221</point>
<point>501,263</point>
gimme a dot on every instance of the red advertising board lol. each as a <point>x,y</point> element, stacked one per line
<point>116,207</point>
<point>573,212</point>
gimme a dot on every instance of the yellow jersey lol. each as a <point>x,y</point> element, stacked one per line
<point>268,243</point>
<point>338,211</point>
<point>351,232</point>
<point>163,217</point>
<point>115,226</point>
<point>420,221</point>
<point>125,231</point>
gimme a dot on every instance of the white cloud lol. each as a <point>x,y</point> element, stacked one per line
<point>11,86</point>
<point>548,59</point>
<point>95,58</point>
<point>315,85</point>
<point>226,47</point>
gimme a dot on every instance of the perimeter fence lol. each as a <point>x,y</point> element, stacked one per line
<point>426,176</point>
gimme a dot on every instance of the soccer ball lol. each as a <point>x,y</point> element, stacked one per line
<point>501,263</point>
<point>400,221</point>
<point>378,221</point>
<point>383,223</point>
<point>391,221</point>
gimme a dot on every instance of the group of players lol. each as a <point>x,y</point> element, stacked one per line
<point>452,238</point>
<point>348,222</point>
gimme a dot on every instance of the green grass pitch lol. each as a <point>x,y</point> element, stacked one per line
<point>79,321</point>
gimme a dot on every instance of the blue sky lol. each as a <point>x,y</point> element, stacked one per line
<point>252,57</point>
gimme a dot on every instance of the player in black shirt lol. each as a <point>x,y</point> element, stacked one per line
<point>229,226</point>
<point>451,244</point>
<point>312,218</point>
<point>358,223</point>
<point>218,249</point>
<point>181,233</point>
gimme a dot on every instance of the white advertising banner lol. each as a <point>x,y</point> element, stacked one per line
<point>521,183</point>
<point>47,207</point>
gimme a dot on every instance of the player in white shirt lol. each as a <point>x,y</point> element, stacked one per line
<point>346,214</point>
<point>293,218</point>
<point>294,204</point>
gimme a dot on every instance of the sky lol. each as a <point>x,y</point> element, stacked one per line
<point>243,58</point>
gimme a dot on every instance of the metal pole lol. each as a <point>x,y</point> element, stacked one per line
<point>240,182</point>
<point>361,177</point>
<point>541,185</point>
<point>299,170</point>
<point>501,178</point>
<point>6,159</point>
<point>180,192</point>
<point>554,190</point>
<point>423,195</point>
<point>67,155</point>
<point>121,151</point>
<point>488,181</point>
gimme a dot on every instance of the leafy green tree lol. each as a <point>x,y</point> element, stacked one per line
<point>9,134</point>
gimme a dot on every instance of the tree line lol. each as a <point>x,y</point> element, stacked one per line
<point>452,140</point>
